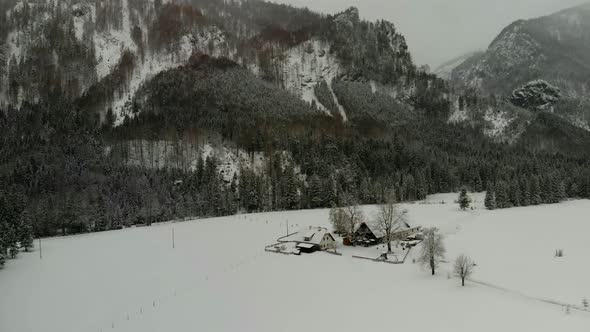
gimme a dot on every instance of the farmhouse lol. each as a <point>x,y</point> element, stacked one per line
<point>368,235</point>
<point>315,238</point>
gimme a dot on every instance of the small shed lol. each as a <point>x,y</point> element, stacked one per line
<point>307,247</point>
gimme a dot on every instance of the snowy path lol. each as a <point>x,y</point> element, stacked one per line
<point>525,296</point>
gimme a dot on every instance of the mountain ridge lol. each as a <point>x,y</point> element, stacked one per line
<point>554,49</point>
<point>208,108</point>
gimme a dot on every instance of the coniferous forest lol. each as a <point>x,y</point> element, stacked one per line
<point>63,157</point>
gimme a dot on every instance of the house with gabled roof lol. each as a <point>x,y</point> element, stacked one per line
<point>313,239</point>
<point>367,235</point>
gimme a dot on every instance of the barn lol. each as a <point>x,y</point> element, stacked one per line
<point>365,235</point>
<point>368,235</point>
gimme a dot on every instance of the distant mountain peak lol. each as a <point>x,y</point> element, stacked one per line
<point>348,18</point>
<point>532,68</point>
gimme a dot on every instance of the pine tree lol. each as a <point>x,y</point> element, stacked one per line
<point>547,190</point>
<point>316,192</point>
<point>365,192</point>
<point>290,193</point>
<point>329,188</point>
<point>535,191</point>
<point>561,194</point>
<point>501,195</point>
<point>12,242</point>
<point>490,199</point>
<point>464,199</point>
<point>200,171</point>
<point>421,186</point>
<point>477,184</point>
<point>525,192</point>
<point>215,194</point>
<point>26,231</point>
<point>514,194</point>
<point>574,191</point>
<point>410,186</point>
<point>4,232</point>
<point>233,193</point>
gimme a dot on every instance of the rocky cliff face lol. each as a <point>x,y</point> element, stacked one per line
<point>101,54</point>
<point>103,51</point>
<point>536,95</point>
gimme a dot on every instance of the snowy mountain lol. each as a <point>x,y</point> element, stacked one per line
<point>445,70</point>
<point>541,64</point>
<point>555,48</point>
<point>101,54</point>
<point>115,112</point>
<point>116,46</point>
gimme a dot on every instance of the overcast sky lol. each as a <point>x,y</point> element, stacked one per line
<point>439,30</point>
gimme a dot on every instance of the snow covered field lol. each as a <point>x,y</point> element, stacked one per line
<point>219,278</point>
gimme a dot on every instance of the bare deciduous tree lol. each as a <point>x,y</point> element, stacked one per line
<point>463,268</point>
<point>433,249</point>
<point>389,219</point>
<point>352,215</point>
<point>338,219</point>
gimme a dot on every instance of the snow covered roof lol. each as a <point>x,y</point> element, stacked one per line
<point>373,228</point>
<point>305,245</point>
<point>379,233</point>
<point>313,235</point>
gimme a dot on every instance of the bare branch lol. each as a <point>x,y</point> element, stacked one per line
<point>463,268</point>
<point>389,219</point>
<point>433,249</point>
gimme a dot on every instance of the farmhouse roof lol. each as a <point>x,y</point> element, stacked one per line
<point>314,235</point>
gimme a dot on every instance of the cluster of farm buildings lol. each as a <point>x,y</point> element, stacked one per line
<point>314,239</point>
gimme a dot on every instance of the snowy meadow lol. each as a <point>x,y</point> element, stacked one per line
<point>217,277</point>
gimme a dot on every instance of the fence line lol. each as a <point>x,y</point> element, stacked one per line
<point>385,261</point>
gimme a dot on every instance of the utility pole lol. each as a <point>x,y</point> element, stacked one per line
<point>40,249</point>
<point>173,244</point>
<point>287,227</point>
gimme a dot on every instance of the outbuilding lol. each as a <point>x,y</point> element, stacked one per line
<point>365,235</point>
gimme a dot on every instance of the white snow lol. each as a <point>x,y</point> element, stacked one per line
<point>110,45</point>
<point>143,71</point>
<point>497,122</point>
<point>337,102</point>
<point>306,65</point>
<point>457,114</point>
<point>219,278</point>
<point>185,155</point>
<point>15,48</point>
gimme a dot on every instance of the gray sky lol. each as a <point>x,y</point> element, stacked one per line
<point>439,30</point>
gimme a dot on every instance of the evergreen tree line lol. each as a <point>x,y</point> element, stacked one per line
<point>16,227</point>
<point>56,171</point>
<point>57,156</point>
<point>533,190</point>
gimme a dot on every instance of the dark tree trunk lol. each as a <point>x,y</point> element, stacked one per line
<point>388,246</point>
<point>432,264</point>
<point>462,281</point>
